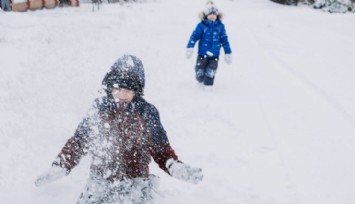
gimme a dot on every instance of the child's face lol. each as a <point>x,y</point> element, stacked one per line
<point>122,94</point>
<point>212,17</point>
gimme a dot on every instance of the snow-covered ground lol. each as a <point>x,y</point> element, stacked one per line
<point>278,127</point>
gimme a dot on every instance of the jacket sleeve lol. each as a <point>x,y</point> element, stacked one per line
<point>224,41</point>
<point>75,147</point>
<point>195,36</point>
<point>161,150</point>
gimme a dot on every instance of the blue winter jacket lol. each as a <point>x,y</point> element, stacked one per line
<point>211,36</point>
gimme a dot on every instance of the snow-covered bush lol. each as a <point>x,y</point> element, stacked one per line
<point>335,6</point>
<point>352,8</point>
<point>292,2</point>
<point>287,2</point>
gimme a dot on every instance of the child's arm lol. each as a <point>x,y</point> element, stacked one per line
<point>68,157</point>
<point>164,155</point>
<point>225,42</point>
<point>160,148</point>
<point>195,36</point>
<point>74,148</point>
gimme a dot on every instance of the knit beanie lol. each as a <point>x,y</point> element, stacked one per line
<point>210,8</point>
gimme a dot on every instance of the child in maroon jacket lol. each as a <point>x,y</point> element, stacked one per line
<point>121,133</point>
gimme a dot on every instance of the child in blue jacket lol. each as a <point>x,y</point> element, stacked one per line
<point>211,34</point>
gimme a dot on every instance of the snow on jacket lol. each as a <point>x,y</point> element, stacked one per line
<point>211,36</point>
<point>121,142</point>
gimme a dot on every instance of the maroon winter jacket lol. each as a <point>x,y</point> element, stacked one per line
<point>120,142</point>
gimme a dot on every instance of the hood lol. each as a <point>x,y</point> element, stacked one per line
<point>126,72</point>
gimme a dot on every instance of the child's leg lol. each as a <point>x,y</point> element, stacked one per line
<point>143,190</point>
<point>211,70</point>
<point>200,68</point>
<point>6,5</point>
<point>2,5</point>
<point>95,191</point>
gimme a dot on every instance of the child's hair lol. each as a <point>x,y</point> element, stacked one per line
<point>210,8</point>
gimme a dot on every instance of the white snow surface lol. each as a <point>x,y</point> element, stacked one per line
<point>278,127</point>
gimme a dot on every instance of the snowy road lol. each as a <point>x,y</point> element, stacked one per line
<point>278,127</point>
<point>311,125</point>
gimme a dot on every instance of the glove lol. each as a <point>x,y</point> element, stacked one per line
<point>228,58</point>
<point>184,172</point>
<point>54,173</point>
<point>189,52</point>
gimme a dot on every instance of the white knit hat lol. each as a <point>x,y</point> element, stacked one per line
<point>210,8</point>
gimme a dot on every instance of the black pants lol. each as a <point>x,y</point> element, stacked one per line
<point>5,5</point>
<point>206,69</point>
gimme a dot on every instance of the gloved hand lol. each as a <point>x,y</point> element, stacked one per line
<point>189,52</point>
<point>184,172</point>
<point>54,173</point>
<point>228,58</point>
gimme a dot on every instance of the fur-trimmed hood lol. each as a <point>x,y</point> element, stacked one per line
<point>203,16</point>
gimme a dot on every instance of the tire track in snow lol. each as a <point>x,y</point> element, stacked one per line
<point>303,79</point>
<point>291,184</point>
<point>317,90</point>
<point>290,150</point>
